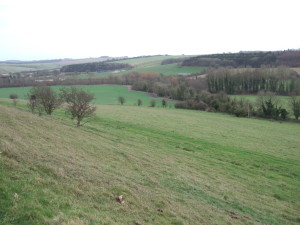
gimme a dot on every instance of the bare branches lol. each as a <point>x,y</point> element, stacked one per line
<point>43,98</point>
<point>78,103</point>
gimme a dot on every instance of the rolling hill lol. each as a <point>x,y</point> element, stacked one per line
<point>171,166</point>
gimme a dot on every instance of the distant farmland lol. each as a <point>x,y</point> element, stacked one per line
<point>33,66</point>
<point>139,61</point>
<point>146,65</point>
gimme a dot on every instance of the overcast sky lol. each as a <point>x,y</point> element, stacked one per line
<point>47,29</point>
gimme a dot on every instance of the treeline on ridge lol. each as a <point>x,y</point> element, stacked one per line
<point>290,58</point>
<point>282,81</point>
<point>95,67</point>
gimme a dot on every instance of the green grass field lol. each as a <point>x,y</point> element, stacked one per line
<point>104,94</point>
<point>171,166</point>
<point>169,69</point>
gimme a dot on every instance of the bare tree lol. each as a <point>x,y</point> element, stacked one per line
<point>44,99</point>
<point>78,103</point>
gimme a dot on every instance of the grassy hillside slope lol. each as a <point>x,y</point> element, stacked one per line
<point>171,166</point>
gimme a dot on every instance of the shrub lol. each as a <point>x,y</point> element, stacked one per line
<point>152,103</point>
<point>240,112</point>
<point>14,97</point>
<point>283,114</point>
<point>139,102</point>
<point>268,105</point>
<point>121,100</point>
<point>181,105</point>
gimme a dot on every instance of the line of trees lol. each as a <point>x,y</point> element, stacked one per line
<point>164,103</point>
<point>95,67</point>
<point>267,105</point>
<point>219,102</point>
<point>77,102</point>
<point>241,81</point>
<point>173,87</point>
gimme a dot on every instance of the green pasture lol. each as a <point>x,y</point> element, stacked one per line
<point>104,94</point>
<point>168,69</point>
<point>171,166</point>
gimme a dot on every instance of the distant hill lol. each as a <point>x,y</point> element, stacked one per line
<point>33,61</point>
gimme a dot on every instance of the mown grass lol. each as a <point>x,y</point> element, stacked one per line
<point>171,166</point>
<point>104,94</point>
